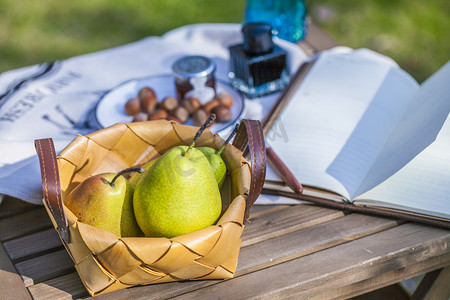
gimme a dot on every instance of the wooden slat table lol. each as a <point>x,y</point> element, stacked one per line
<point>298,252</point>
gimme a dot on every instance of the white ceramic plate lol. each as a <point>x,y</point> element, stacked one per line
<point>110,109</point>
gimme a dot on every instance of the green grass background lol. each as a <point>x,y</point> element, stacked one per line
<point>414,33</point>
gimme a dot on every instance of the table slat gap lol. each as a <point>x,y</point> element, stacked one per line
<point>12,206</point>
<point>64,287</point>
<point>285,221</point>
<point>259,210</point>
<point>37,244</point>
<point>379,281</point>
<point>24,224</point>
<point>45,267</point>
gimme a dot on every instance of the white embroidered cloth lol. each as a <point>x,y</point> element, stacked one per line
<point>57,99</point>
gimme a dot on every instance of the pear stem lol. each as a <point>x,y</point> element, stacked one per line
<point>200,131</point>
<point>133,169</point>
<point>218,152</point>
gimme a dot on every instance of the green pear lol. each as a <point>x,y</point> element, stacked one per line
<point>216,163</point>
<point>136,177</point>
<point>215,160</point>
<point>178,195</point>
<point>105,201</point>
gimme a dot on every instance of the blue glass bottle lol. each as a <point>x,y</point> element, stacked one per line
<point>287,17</point>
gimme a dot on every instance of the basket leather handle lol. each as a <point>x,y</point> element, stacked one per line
<point>51,186</point>
<point>250,138</point>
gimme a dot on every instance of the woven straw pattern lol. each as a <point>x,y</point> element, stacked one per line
<point>106,262</point>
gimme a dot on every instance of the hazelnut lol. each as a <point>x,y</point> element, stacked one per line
<point>169,103</point>
<point>148,104</point>
<point>191,104</point>
<point>181,114</point>
<point>133,106</point>
<point>225,99</point>
<point>200,117</point>
<point>223,113</point>
<point>146,92</point>
<point>140,117</point>
<point>173,118</point>
<point>158,115</point>
<point>211,104</point>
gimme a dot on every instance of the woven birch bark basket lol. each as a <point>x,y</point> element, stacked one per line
<point>106,262</point>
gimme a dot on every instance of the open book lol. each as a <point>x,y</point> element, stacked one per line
<point>359,126</point>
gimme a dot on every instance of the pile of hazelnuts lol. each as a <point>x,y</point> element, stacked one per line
<point>145,107</point>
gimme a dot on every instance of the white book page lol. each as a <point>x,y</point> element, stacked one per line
<point>324,112</point>
<point>423,185</point>
<point>358,158</point>
<point>417,128</point>
<point>271,175</point>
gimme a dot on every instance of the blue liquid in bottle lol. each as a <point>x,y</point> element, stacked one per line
<point>287,17</point>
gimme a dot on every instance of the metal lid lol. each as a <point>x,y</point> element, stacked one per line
<point>193,66</point>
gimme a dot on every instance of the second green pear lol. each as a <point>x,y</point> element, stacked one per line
<point>136,177</point>
<point>216,162</point>
<point>215,159</point>
<point>177,195</point>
